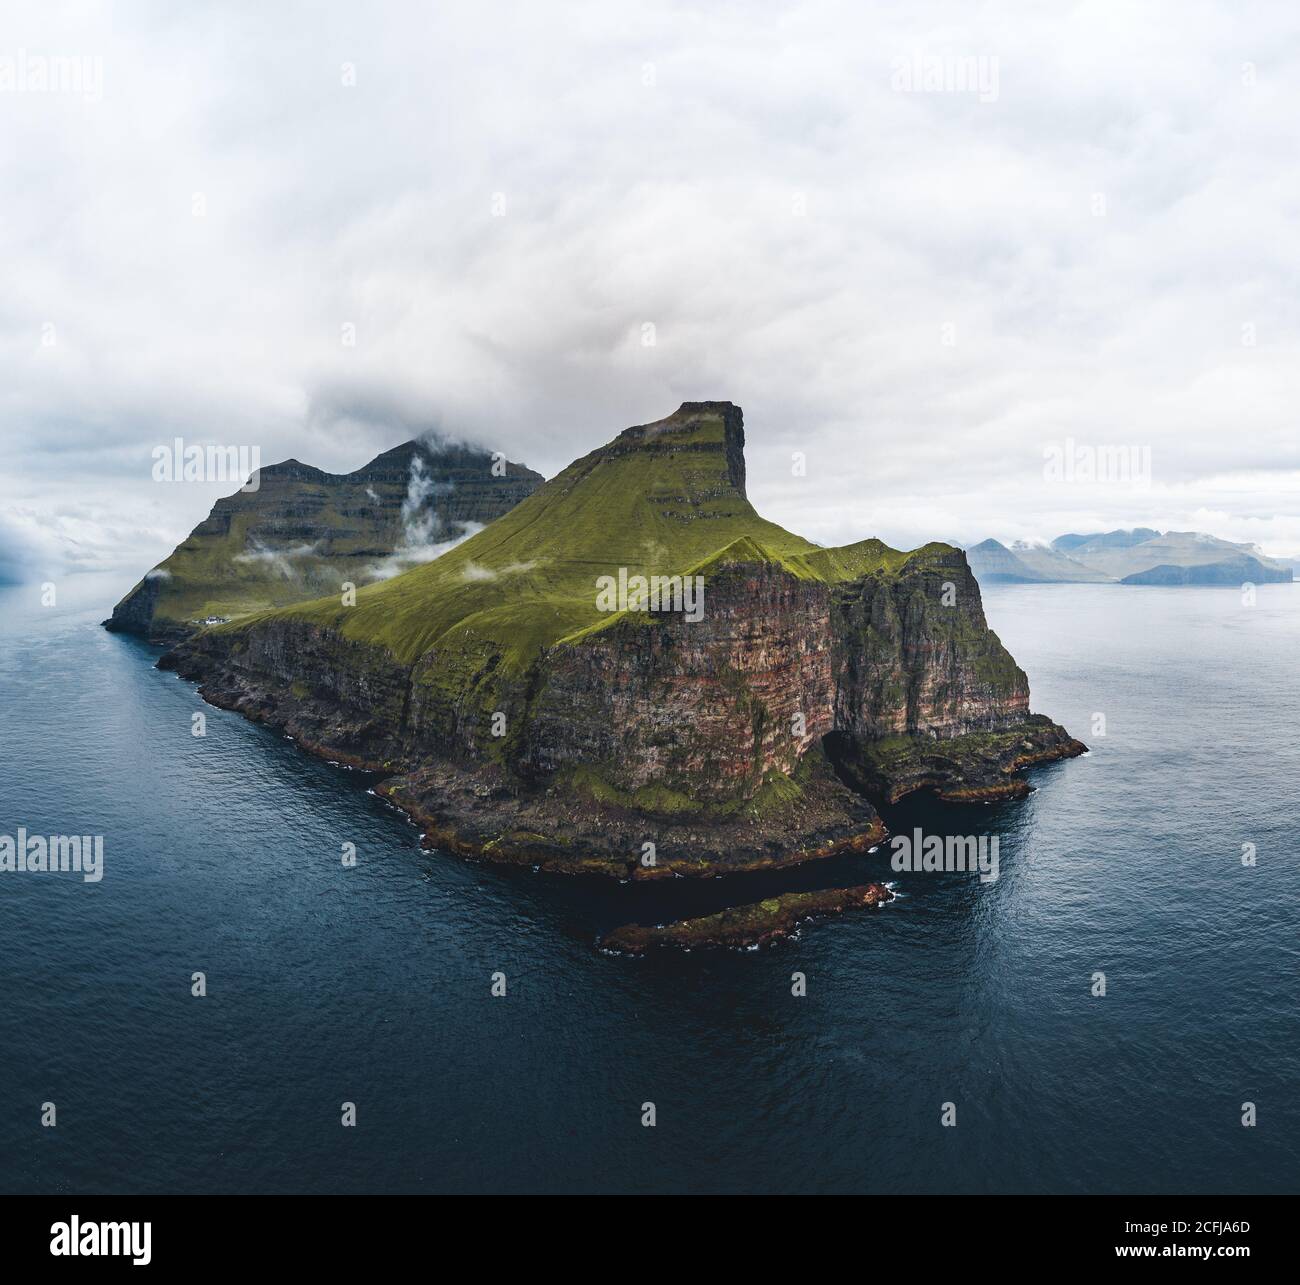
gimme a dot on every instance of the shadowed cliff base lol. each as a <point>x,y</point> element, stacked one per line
<point>979,767</point>
<point>563,831</point>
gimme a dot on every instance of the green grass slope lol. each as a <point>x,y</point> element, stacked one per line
<point>661,499</point>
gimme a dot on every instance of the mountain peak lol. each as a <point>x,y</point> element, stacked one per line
<point>291,470</point>
<point>709,428</point>
<point>439,456</point>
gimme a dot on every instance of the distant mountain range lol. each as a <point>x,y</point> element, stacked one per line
<point>1141,556</point>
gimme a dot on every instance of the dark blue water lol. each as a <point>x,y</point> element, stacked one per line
<point>372,985</point>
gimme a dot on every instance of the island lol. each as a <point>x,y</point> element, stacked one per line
<point>632,673</point>
<point>1141,556</point>
<point>747,927</point>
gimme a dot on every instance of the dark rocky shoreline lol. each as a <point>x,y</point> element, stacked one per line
<point>474,816</point>
<point>983,767</point>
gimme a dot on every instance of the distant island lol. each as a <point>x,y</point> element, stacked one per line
<point>545,693</point>
<point>1142,556</point>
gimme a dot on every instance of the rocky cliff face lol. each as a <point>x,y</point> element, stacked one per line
<point>525,723</point>
<point>346,698</point>
<point>305,533</point>
<point>705,710</point>
<point>711,709</point>
<point>914,655</point>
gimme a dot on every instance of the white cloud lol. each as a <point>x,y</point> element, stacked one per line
<point>473,571</point>
<point>281,561</point>
<point>407,556</point>
<point>914,289</point>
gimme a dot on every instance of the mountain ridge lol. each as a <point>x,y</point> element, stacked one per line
<point>1141,555</point>
<point>304,532</point>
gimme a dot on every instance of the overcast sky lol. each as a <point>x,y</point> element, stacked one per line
<point>921,285</point>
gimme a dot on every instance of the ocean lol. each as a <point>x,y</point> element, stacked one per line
<point>372,985</point>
